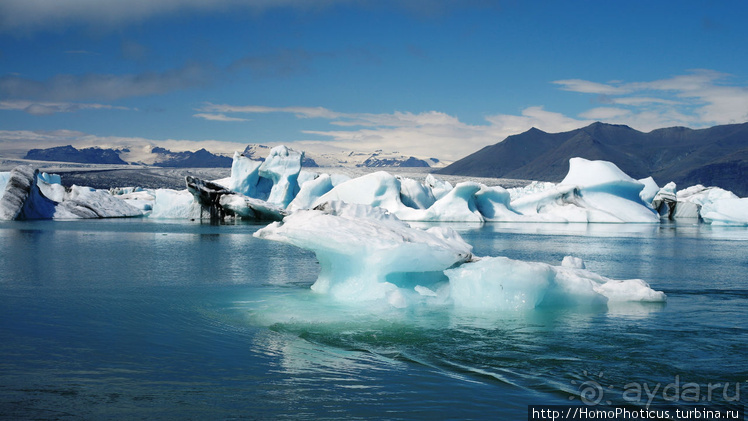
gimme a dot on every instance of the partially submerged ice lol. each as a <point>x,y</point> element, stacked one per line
<point>360,256</point>
<point>367,254</point>
<point>500,283</point>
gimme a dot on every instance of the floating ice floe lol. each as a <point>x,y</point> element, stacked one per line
<point>367,254</point>
<point>361,257</point>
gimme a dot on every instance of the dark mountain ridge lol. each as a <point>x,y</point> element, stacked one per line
<point>70,154</point>
<point>716,156</point>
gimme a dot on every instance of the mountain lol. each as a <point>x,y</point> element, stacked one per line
<point>159,157</point>
<point>71,154</point>
<point>376,161</point>
<point>713,156</point>
<point>198,159</point>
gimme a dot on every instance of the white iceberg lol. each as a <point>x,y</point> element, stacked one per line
<point>275,180</point>
<point>366,254</point>
<point>360,257</point>
<point>592,191</point>
<point>729,211</point>
<point>500,283</point>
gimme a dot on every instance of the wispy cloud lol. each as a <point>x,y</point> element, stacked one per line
<point>46,108</point>
<point>32,15</point>
<point>697,99</point>
<point>218,117</point>
<point>587,87</point>
<point>105,86</point>
<point>426,134</point>
<point>300,112</point>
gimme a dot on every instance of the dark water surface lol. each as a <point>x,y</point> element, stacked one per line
<point>138,319</point>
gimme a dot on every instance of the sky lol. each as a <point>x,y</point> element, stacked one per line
<point>427,78</point>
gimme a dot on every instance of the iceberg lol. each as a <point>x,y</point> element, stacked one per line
<point>274,180</point>
<point>366,254</point>
<point>500,283</point>
<point>27,195</point>
<point>175,204</point>
<point>592,191</point>
<point>728,211</point>
<point>361,258</point>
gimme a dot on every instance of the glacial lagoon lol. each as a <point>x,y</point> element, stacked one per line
<point>136,319</point>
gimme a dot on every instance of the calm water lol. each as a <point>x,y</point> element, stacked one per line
<point>134,319</point>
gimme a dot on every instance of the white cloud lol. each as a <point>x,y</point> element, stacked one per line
<point>605,113</point>
<point>218,117</point>
<point>427,134</point>
<point>46,108</point>
<point>301,112</point>
<point>587,87</point>
<point>700,98</point>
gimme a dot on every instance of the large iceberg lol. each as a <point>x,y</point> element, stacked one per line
<point>592,191</point>
<point>361,259</point>
<point>367,254</point>
<point>27,194</point>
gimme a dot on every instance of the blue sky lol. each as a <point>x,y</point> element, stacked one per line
<point>425,78</point>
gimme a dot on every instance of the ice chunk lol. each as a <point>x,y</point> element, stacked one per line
<point>458,205</point>
<point>282,168</point>
<point>175,204</point>
<point>494,204</point>
<point>357,255</point>
<point>24,198</point>
<point>249,208</point>
<point>21,198</point>
<point>376,189</point>
<point>86,202</point>
<point>439,188</point>
<point>274,180</point>
<point>415,195</point>
<point>593,191</point>
<point>726,212</point>
<point>650,189</point>
<point>4,177</point>
<point>311,191</point>
<point>500,283</point>
<point>665,200</point>
<point>353,210</point>
<point>573,262</point>
<point>245,175</point>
